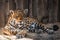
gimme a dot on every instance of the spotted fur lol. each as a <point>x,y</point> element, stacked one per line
<point>17,23</point>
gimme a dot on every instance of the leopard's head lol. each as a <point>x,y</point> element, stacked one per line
<point>17,14</point>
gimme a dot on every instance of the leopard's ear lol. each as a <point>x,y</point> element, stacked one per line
<point>25,12</point>
<point>11,12</point>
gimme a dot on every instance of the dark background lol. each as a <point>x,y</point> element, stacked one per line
<point>36,9</point>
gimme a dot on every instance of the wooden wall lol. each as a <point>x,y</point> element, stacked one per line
<point>36,9</point>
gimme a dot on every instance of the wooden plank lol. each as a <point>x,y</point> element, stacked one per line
<point>2,24</point>
<point>19,4</point>
<point>35,8</point>
<point>55,10</point>
<point>50,11</point>
<point>30,8</point>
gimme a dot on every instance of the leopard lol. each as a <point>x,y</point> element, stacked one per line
<point>17,23</point>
